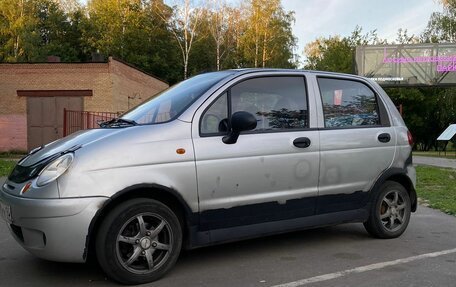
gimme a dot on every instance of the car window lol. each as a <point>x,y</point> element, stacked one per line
<point>215,119</point>
<point>173,101</point>
<point>276,102</point>
<point>348,103</point>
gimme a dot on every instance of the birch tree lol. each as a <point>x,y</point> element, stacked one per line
<point>69,6</point>
<point>268,39</point>
<point>219,18</point>
<point>183,23</point>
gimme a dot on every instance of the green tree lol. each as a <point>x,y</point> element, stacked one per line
<point>268,39</point>
<point>441,26</point>
<point>31,30</point>
<point>168,41</point>
<point>204,49</point>
<point>75,35</point>
<point>183,24</point>
<point>234,40</point>
<point>330,54</point>
<point>404,38</point>
<point>218,16</point>
<point>336,53</point>
<point>132,31</point>
<point>58,36</point>
<point>114,25</point>
<point>17,34</point>
<point>161,56</point>
<point>427,111</point>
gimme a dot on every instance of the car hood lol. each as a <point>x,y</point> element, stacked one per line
<point>71,142</point>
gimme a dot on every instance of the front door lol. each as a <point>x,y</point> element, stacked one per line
<point>270,173</point>
<point>45,118</point>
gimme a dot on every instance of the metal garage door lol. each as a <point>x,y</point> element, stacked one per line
<point>45,118</point>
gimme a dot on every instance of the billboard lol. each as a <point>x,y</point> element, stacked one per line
<point>408,65</point>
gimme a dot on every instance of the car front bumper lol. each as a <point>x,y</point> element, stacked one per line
<point>52,229</point>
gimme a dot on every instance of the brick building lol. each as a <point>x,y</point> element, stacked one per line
<point>34,95</point>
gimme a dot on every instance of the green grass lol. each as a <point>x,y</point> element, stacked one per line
<point>449,154</point>
<point>6,166</point>
<point>437,188</point>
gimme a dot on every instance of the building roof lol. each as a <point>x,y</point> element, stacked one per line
<point>93,63</point>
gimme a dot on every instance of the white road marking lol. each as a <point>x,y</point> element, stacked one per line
<point>365,268</point>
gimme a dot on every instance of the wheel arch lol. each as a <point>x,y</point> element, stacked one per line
<point>400,176</point>
<point>165,195</point>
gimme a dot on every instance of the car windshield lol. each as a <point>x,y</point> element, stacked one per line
<point>172,102</point>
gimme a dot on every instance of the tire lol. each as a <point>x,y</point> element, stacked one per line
<point>390,211</point>
<point>139,241</point>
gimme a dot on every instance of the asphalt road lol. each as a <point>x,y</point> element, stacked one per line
<point>333,256</point>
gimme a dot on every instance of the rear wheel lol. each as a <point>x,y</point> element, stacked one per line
<point>139,241</point>
<point>390,212</point>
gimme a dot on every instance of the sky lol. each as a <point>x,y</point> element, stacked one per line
<point>316,18</point>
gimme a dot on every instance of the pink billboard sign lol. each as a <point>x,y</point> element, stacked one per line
<point>444,63</point>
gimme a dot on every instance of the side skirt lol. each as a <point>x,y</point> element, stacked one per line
<point>223,235</point>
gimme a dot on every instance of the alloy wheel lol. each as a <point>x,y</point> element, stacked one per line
<point>144,243</point>
<point>393,210</point>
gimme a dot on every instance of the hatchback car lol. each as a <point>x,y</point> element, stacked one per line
<point>219,157</point>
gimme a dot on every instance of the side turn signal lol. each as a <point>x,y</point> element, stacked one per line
<point>26,187</point>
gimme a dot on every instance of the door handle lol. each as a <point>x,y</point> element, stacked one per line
<point>384,138</point>
<point>302,142</point>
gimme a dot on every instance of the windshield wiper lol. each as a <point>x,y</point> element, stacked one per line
<point>117,122</point>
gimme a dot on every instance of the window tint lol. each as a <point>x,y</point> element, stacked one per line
<point>276,102</point>
<point>215,119</point>
<point>348,103</point>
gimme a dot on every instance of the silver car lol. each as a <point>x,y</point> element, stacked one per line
<point>219,157</point>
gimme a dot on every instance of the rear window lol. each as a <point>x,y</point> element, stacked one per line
<point>348,103</point>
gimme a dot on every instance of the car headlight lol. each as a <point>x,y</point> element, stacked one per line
<point>54,169</point>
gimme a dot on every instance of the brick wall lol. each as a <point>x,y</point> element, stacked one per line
<point>110,82</point>
<point>52,76</point>
<point>131,86</point>
<point>13,132</point>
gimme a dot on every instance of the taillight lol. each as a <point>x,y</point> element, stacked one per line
<point>410,138</point>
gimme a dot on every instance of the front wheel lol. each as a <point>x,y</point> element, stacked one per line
<point>390,211</point>
<point>139,241</point>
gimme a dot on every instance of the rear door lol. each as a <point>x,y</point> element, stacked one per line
<point>357,142</point>
<point>263,176</point>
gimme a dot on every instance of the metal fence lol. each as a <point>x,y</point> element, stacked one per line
<point>81,120</point>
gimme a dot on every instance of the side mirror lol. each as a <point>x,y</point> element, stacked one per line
<point>240,121</point>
